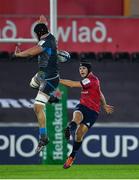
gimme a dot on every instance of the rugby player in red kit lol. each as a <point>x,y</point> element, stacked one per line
<point>87,111</point>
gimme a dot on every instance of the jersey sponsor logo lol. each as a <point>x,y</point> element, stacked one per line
<point>84,92</point>
<point>86,81</point>
<point>40,43</point>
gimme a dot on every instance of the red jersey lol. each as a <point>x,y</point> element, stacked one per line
<point>90,94</point>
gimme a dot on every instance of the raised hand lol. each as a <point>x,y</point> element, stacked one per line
<point>43,19</point>
<point>17,50</point>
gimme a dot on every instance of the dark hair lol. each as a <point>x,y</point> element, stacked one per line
<point>40,29</point>
<point>86,64</point>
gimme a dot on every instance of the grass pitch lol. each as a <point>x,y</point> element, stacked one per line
<point>75,172</point>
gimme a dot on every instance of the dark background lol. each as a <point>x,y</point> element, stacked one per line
<point>119,83</point>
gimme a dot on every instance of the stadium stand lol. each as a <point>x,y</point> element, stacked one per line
<point>119,82</point>
<point>74,55</point>
<point>88,55</point>
<point>122,56</point>
<point>105,56</point>
<point>135,56</point>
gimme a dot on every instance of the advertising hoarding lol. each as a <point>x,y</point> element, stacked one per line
<point>79,34</point>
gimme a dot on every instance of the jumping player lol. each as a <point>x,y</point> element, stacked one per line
<point>85,113</point>
<point>47,78</point>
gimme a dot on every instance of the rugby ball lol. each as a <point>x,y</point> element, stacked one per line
<point>63,56</point>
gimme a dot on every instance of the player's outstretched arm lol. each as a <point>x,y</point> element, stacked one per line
<point>108,108</point>
<point>70,83</point>
<point>29,52</point>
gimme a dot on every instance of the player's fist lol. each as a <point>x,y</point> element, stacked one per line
<point>43,19</point>
<point>17,50</point>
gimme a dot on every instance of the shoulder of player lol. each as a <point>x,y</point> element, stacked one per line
<point>86,81</point>
<point>93,77</point>
<point>41,42</point>
<point>51,36</point>
<point>45,41</point>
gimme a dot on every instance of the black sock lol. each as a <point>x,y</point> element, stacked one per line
<point>76,147</point>
<point>72,126</point>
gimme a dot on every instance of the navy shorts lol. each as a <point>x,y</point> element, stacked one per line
<point>49,86</point>
<point>89,116</point>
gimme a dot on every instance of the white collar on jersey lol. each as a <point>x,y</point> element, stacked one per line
<point>44,36</point>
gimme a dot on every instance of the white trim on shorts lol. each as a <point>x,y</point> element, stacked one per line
<point>41,99</point>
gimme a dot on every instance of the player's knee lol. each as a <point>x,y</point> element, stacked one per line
<point>37,108</point>
<point>77,117</point>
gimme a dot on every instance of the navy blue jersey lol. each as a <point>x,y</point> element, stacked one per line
<point>47,60</point>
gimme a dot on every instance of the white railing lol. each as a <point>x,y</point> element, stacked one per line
<point>17,40</point>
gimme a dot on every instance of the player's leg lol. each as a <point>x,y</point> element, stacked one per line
<point>81,131</point>
<point>35,84</point>
<point>89,118</point>
<point>77,118</point>
<point>39,105</point>
<point>46,88</point>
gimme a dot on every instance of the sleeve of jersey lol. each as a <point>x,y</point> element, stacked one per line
<point>44,45</point>
<point>85,83</point>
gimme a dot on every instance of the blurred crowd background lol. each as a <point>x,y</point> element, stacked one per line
<point>84,28</point>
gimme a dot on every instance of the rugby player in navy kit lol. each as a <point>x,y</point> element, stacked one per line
<point>47,78</point>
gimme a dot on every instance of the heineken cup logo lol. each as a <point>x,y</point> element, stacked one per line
<point>58,128</point>
<point>58,132</point>
<point>56,150</point>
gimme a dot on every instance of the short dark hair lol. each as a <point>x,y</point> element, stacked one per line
<point>40,29</point>
<point>86,64</point>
